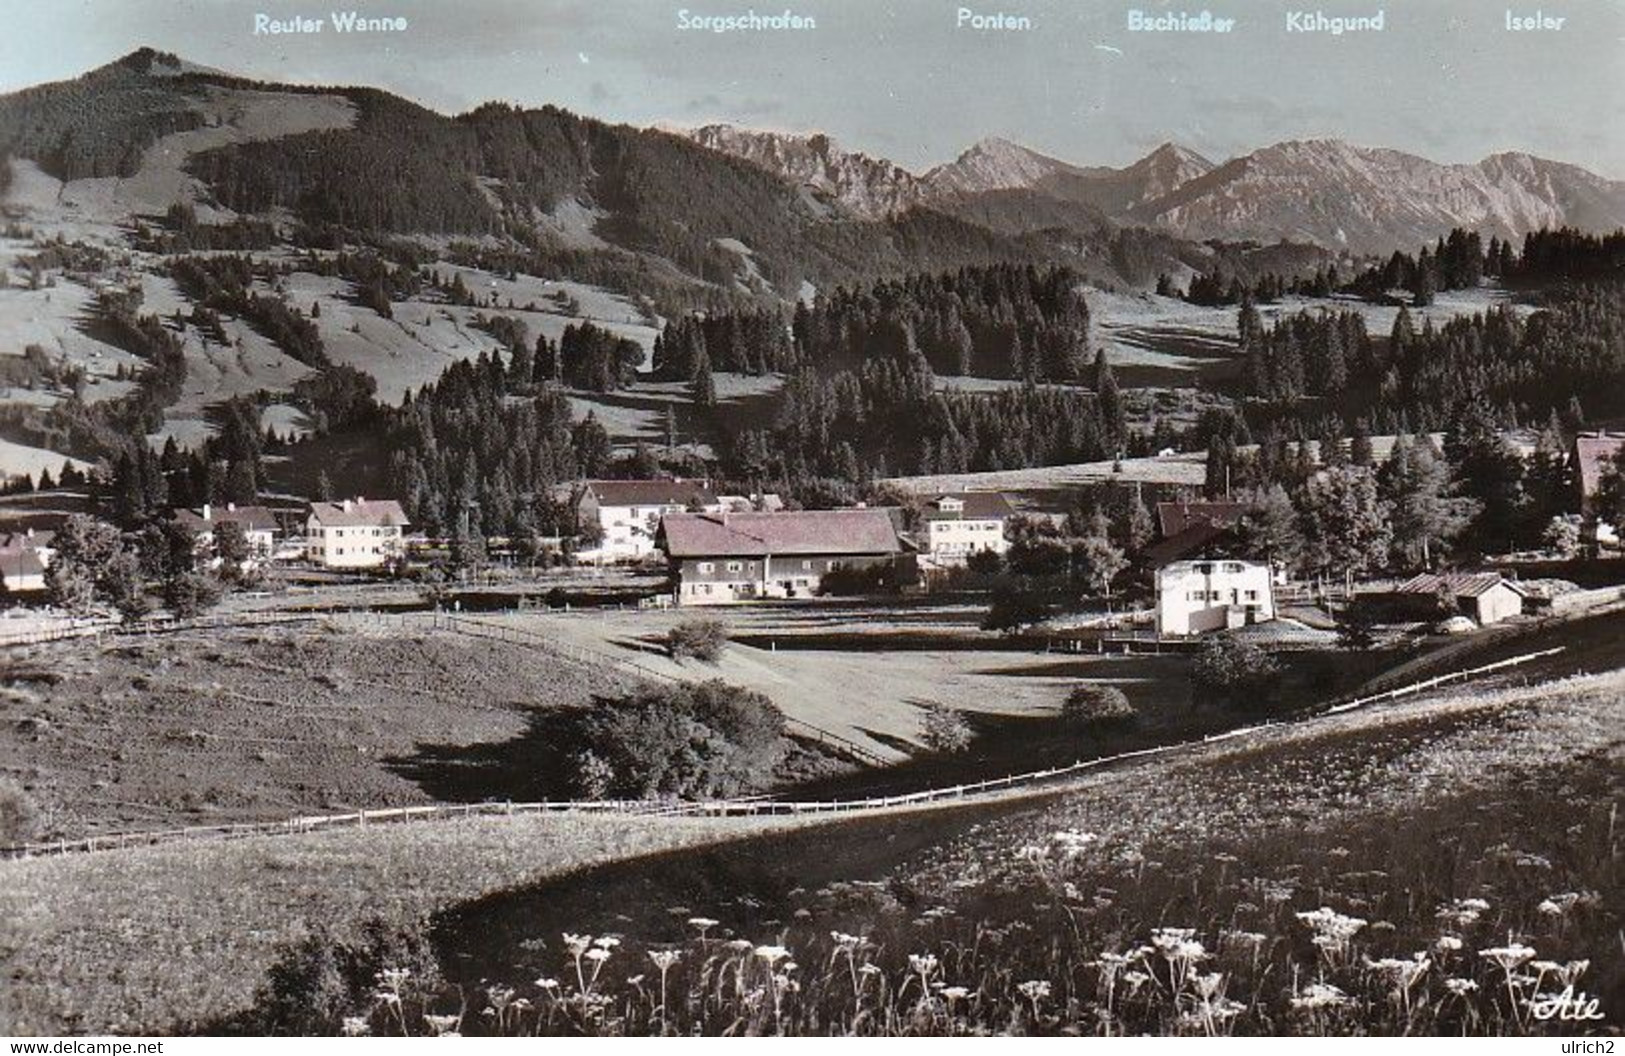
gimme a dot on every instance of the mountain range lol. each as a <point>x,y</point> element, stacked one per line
<point>724,211</point>
<point>1325,191</point>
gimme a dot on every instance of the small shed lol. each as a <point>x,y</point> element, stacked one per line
<point>1486,597</point>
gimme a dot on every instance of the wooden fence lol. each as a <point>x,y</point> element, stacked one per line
<point>750,807</point>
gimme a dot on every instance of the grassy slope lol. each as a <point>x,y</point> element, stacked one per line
<point>261,724</point>
<point>1507,795</point>
<point>157,938</point>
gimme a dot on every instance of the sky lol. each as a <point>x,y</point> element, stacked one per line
<point>900,79</point>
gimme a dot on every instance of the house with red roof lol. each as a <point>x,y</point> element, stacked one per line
<point>24,557</point>
<point>1594,456</point>
<point>22,571</point>
<point>722,558</point>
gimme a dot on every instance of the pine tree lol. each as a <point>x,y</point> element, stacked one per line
<point>1360,450</point>
<point>1269,529</point>
<point>703,386</point>
<point>1249,325</point>
<point>1111,400</point>
<point>1345,528</point>
<point>1414,483</point>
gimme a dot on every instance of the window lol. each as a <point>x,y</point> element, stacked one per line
<point>1252,595</point>
<point>707,566</point>
<point>733,566</point>
<point>1234,568</point>
<point>1204,570</point>
<point>806,566</point>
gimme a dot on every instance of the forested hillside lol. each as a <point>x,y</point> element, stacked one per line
<point>494,170</point>
<point>98,124</point>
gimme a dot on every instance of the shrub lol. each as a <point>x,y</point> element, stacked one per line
<point>1014,608</point>
<point>701,639</point>
<point>319,980</point>
<point>985,562</point>
<point>1098,706</point>
<point>595,778</point>
<point>1356,626</point>
<point>945,729</point>
<point>19,817</point>
<point>690,741</point>
<point>1234,669</point>
<point>191,594</point>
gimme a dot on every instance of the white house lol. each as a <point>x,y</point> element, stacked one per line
<point>627,513</point>
<point>1195,597</point>
<point>355,533</point>
<point>258,523</point>
<point>954,526</point>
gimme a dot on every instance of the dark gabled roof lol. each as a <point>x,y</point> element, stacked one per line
<point>1197,540</point>
<point>763,534</point>
<point>1460,584</point>
<point>979,506</point>
<point>650,492</point>
<point>1592,457</point>
<point>359,513</point>
<point>1173,518</point>
<point>252,518</point>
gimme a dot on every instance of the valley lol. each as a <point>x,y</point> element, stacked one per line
<point>609,557</point>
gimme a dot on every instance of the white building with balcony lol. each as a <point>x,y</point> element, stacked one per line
<point>1198,597</point>
<point>955,525</point>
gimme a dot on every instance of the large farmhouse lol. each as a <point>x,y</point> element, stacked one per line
<point>720,558</point>
<point>955,525</point>
<point>355,533</point>
<point>1195,597</point>
<point>626,513</point>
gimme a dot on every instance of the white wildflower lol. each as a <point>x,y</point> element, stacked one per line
<point>1318,996</point>
<point>443,1026</point>
<point>1508,957</point>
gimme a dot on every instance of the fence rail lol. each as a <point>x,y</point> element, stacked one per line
<point>751,807</point>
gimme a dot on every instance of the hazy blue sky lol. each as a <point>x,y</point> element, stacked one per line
<point>897,79</point>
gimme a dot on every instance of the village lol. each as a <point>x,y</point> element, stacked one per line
<point>1195,570</point>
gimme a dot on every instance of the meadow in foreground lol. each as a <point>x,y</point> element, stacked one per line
<point>1456,873</point>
